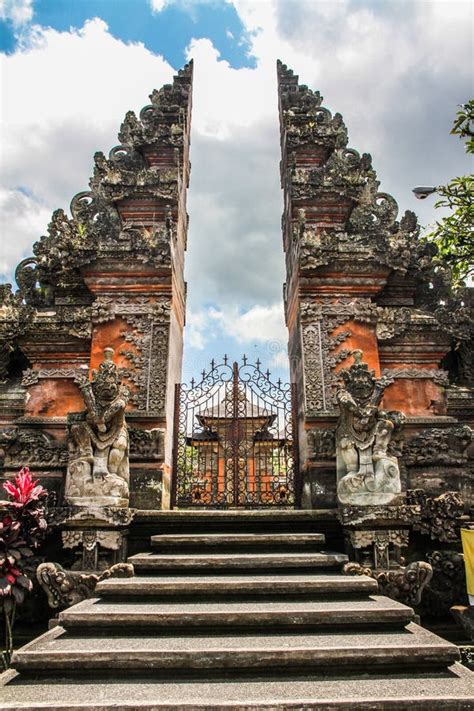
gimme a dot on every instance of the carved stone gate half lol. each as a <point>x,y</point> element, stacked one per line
<point>235,440</point>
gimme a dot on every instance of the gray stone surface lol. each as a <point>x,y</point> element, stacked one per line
<point>257,613</point>
<point>59,650</point>
<point>155,561</point>
<point>238,584</point>
<point>407,691</point>
<point>263,637</point>
<point>241,539</point>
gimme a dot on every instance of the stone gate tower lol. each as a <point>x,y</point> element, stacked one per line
<point>108,277</point>
<point>359,279</point>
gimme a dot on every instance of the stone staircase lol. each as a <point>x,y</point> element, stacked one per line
<point>224,619</point>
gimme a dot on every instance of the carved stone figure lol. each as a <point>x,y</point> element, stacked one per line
<point>98,470</point>
<point>405,584</point>
<point>65,587</point>
<point>366,473</point>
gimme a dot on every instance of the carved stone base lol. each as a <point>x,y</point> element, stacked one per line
<point>97,501</point>
<point>96,549</point>
<point>378,548</point>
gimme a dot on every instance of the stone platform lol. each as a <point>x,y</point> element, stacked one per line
<point>232,620</point>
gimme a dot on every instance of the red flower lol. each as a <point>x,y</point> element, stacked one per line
<point>26,489</point>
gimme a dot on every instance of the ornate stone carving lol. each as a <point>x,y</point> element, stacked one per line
<point>381,546</point>
<point>33,376</point>
<point>33,448</point>
<point>371,515</point>
<point>321,444</point>
<point>436,446</point>
<point>95,230</point>
<point>146,444</point>
<point>95,549</point>
<point>15,316</point>
<point>148,358</point>
<point>305,120</point>
<point>92,514</point>
<point>165,120</point>
<point>74,537</point>
<point>392,322</point>
<point>404,584</point>
<point>66,587</point>
<point>439,517</point>
<point>448,584</point>
<point>344,171</point>
<point>98,470</point>
<point>440,377</point>
<point>146,346</point>
<point>322,347</point>
<point>106,308</point>
<point>366,473</point>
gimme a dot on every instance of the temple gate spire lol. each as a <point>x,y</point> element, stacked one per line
<point>110,276</point>
<point>358,278</point>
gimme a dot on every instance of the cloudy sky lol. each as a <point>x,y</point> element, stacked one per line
<point>395,69</point>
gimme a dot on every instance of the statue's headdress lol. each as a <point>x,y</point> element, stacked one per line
<point>358,374</point>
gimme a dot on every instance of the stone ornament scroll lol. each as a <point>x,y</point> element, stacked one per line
<point>98,470</point>
<point>367,474</point>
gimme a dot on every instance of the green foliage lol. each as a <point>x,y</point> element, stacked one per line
<point>454,235</point>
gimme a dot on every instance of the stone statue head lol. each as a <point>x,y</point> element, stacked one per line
<point>358,379</point>
<point>105,381</point>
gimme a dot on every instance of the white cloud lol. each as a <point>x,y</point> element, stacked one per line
<point>22,219</point>
<point>18,12</point>
<point>158,5</point>
<point>63,95</point>
<point>258,325</point>
<point>261,324</point>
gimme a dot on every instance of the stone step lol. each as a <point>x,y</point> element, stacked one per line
<point>376,610</point>
<point>234,540</point>
<point>59,650</point>
<point>407,691</point>
<point>226,561</point>
<point>323,584</point>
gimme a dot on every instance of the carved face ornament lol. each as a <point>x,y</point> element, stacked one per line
<point>105,383</point>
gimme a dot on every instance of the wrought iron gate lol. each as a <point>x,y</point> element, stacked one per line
<point>235,440</point>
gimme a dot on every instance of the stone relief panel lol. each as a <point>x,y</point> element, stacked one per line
<point>146,346</point>
<point>28,447</point>
<point>319,320</point>
<point>439,516</point>
<point>439,446</point>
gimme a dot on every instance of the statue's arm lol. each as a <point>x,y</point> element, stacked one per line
<point>346,401</point>
<point>85,387</point>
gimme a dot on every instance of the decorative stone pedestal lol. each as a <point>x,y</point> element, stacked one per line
<point>375,537</point>
<point>98,535</point>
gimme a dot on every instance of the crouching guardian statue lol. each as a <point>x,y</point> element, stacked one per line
<point>98,470</point>
<point>367,474</point>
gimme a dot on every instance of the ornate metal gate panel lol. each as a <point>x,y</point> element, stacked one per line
<point>235,440</point>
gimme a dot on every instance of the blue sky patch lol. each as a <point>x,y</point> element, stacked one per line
<point>167,33</point>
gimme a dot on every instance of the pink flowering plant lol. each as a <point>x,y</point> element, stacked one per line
<point>23,527</point>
